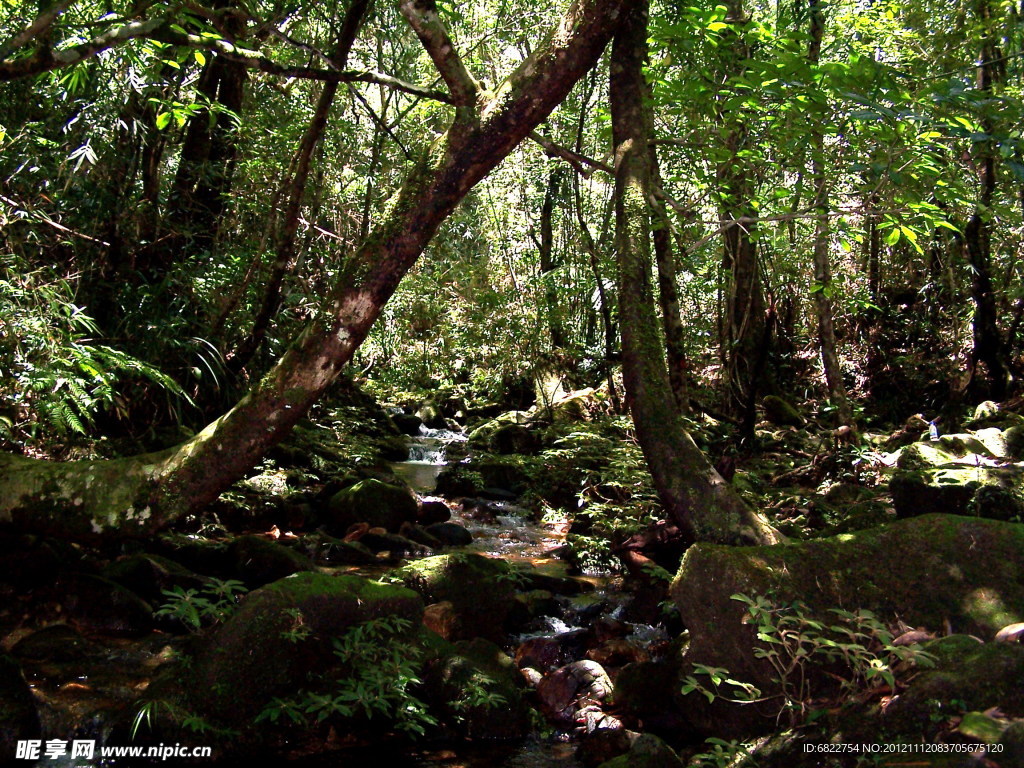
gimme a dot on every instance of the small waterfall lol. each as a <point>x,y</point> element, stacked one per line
<point>426,457</point>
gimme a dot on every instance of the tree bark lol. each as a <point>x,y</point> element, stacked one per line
<point>745,330</point>
<point>692,493</point>
<point>548,263</point>
<point>668,293</point>
<point>822,267</point>
<point>289,223</point>
<point>136,496</point>
<point>988,345</point>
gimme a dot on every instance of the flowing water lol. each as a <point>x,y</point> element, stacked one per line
<point>427,457</point>
<point>500,529</point>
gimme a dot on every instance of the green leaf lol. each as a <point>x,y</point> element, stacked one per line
<point>163,120</point>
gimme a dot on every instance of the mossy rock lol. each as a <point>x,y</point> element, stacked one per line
<point>100,605</point>
<point>927,570</point>
<point>649,692</point>
<point>993,492</point>
<point>407,423</point>
<point>1012,744</point>
<point>782,413</point>
<point>372,501</point>
<point>989,676</point>
<point>258,560</point>
<point>241,666</point>
<point>479,437</point>
<point>149,575</point>
<point>990,414</point>
<point>1014,440</point>
<point>203,556</point>
<point>475,685</point>
<point>459,480</point>
<point>944,452</point>
<point>479,589</point>
<point>18,718</point>
<point>328,550</point>
<point>985,678</point>
<point>430,414</point>
<point>647,751</point>
<point>572,408</point>
<point>950,648</point>
<point>994,440</point>
<point>508,473</point>
<point>514,438</point>
<point>472,478</point>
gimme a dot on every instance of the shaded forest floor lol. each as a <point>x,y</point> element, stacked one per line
<point>119,644</point>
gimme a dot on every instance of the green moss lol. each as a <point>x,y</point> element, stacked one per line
<point>479,588</point>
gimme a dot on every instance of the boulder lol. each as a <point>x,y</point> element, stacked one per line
<point>976,694</point>
<point>433,512</point>
<point>479,589</point>
<point>55,643</point>
<point>450,534</point>
<point>647,751</point>
<point>458,480</point>
<point>147,576</point>
<point>259,560</point>
<point>377,503</point>
<point>18,718</point>
<point>992,492</point>
<point>475,686</point>
<point>407,423</point>
<point>100,605</point>
<point>781,412</point>
<point>480,437</point>
<point>932,571</point>
<point>430,414</point>
<point>571,688</point>
<point>327,550</point>
<point>987,676</point>
<point>281,638</point>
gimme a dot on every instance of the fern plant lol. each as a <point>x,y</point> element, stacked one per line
<point>55,378</point>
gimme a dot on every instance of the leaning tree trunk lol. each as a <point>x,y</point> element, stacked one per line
<point>141,494</point>
<point>694,495</point>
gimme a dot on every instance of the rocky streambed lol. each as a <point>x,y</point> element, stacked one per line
<point>350,615</point>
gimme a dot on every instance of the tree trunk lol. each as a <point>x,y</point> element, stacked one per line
<point>746,332</point>
<point>668,293</point>
<point>692,493</point>
<point>822,267</point>
<point>988,345</point>
<point>289,223</point>
<point>141,494</point>
<point>546,249</point>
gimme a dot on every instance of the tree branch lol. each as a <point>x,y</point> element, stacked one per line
<point>42,22</point>
<point>47,59</point>
<point>422,17</point>
<point>159,29</point>
<point>577,161</point>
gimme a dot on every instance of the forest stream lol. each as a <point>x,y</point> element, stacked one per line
<point>86,683</point>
